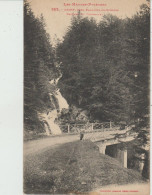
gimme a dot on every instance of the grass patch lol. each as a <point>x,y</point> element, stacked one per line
<point>72,168</point>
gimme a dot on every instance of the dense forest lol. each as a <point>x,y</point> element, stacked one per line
<point>104,66</point>
<point>39,70</point>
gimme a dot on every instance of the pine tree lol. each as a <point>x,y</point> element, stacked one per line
<point>94,75</point>
<point>39,69</point>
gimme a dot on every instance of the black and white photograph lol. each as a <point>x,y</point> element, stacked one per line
<point>86,97</point>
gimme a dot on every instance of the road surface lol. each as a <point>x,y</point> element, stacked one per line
<point>37,146</point>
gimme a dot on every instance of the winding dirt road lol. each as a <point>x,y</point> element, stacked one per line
<point>40,145</point>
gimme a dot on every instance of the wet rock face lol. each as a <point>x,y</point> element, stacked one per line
<point>73,115</point>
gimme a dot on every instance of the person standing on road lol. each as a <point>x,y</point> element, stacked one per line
<point>81,135</point>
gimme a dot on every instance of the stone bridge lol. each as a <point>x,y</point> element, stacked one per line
<point>109,142</point>
<point>107,137</point>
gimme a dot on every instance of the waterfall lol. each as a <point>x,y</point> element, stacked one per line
<point>53,127</point>
<point>61,100</point>
<point>52,115</point>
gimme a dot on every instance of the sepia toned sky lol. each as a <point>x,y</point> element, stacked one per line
<point>58,21</point>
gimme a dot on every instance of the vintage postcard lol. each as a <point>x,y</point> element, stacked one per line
<point>87,97</point>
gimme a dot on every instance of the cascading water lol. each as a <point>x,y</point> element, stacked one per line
<point>49,118</point>
<point>61,100</point>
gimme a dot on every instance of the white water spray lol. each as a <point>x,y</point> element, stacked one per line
<point>51,116</point>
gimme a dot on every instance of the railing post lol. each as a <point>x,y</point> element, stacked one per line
<point>102,127</point>
<point>110,125</point>
<point>68,128</point>
<point>92,126</point>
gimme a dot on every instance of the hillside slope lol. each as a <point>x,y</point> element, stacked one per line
<point>73,167</point>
